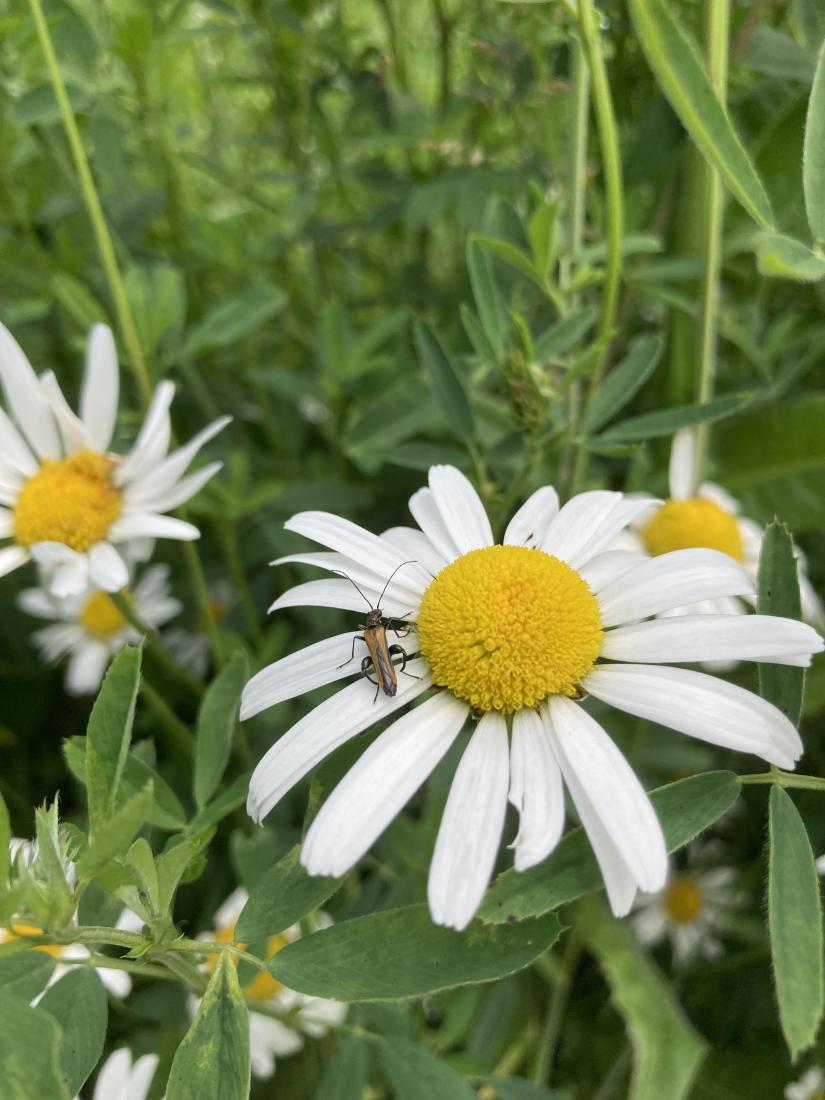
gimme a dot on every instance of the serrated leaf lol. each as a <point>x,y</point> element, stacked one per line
<point>79,1004</point>
<point>622,383</point>
<point>217,719</point>
<point>416,1074</point>
<point>666,1049</point>
<point>446,386</point>
<point>813,156</point>
<point>213,1061</point>
<point>684,808</point>
<point>283,895</point>
<point>653,425</point>
<point>778,594</point>
<point>795,920</point>
<point>677,65</point>
<point>29,1052</point>
<point>108,735</point>
<point>400,953</point>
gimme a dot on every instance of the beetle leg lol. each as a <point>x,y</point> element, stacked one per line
<point>365,669</point>
<point>357,638</point>
<point>396,631</point>
<point>400,651</point>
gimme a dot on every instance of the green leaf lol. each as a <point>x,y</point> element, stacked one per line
<point>666,1049</point>
<point>652,425</point>
<point>795,920</point>
<point>561,336</point>
<point>108,735</point>
<point>79,1004</point>
<point>445,382</point>
<point>25,975</point>
<point>217,719</point>
<point>400,953</point>
<point>512,256</point>
<point>142,861</point>
<point>347,1073</point>
<point>212,1062</point>
<point>623,382</point>
<point>416,1074</point>
<point>516,1088</point>
<point>487,297</point>
<point>785,258</point>
<point>78,301</point>
<point>118,835</point>
<point>5,838</point>
<point>29,1046</point>
<point>173,864</point>
<point>220,807</point>
<point>813,156</point>
<point>235,319</point>
<point>684,808</point>
<point>678,67</point>
<point>281,896</point>
<point>778,594</point>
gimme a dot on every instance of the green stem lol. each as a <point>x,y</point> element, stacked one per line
<point>94,208</point>
<point>717,29</point>
<point>555,1011</point>
<point>229,537</point>
<point>202,596</point>
<point>180,735</point>
<point>155,645</point>
<point>785,779</point>
<point>105,962</point>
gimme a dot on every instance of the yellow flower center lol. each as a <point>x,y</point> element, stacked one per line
<point>20,931</point>
<point>100,617</point>
<point>72,501</point>
<point>263,986</point>
<point>506,626</point>
<point>683,901</point>
<point>683,524</point>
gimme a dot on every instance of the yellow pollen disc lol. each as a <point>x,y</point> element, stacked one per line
<point>72,501</point>
<point>100,617</point>
<point>263,986</point>
<point>506,626</point>
<point>683,901</point>
<point>683,524</point>
<point>19,931</point>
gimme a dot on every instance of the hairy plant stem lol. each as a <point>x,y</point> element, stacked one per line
<point>93,206</point>
<point>717,29</point>
<point>785,779</point>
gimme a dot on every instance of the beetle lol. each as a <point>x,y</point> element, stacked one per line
<point>375,635</point>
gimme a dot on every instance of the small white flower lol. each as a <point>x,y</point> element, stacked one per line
<point>810,1086</point>
<point>121,1079</point>
<point>64,499</point>
<point>705,515</point>
<point>89,629</point>
<point>515,629</point>
<point>689,911</point>
<point>271,1038</point>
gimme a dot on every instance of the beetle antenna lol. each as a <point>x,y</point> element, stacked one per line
<point>386,586</point>
<point>341,573</point>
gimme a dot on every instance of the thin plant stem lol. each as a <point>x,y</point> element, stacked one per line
<point>107,962</point>
<point>549,1039</point>
<point>93,206</point>
<point>785,779</point>
<point>155,645</point>
<point>202,596</point>
<point>180,736</point>
<point>717,29</point>
<point>229,538</point>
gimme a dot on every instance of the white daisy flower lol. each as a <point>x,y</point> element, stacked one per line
<point>689,911</point>
<point>515,629</point>
<point>122,1079</point>
<point>810,1086</point>
<point>705,515</point>
<point>271,1038</point>
<point>64,500</point>
<point>89,629</point>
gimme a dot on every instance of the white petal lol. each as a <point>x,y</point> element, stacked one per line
<point>361,572</point>
<point>380,784</point>
<point>719,496</point>
<point>143,1071</point>
<point>26,399</point>
<point>470,830</point>
<point>57,640</point>
<point>84,674</point>
<point>612,790</point>
<point>671,580</point>
<point>227,914</point>
<point>6,524</point>
<point>688,638</point>
<point>177,494</point>
<point>416,546</point>
<point>268,1039</point>
<point>36,602</point>
<point>116,982</point>
<point>530,524</point>
<point>11,557</point>
<point>535,790</point>
<point>701,706</point>
<point>329,725</point>
<point>72,429</point>
<point>65,572</point>
<point>682,473</point>
<point>461,509</point>
<point>148,525</point>
<point>589,524</point>
<point>160,478</point>
<point>152,442</point>
<point>13,449</point>
<point>114,1076</point>
<point>307,669</point>
<point>424,511</point>
<point>107,570</point>
<point>99,393</point>
<point>336,593</point>
<point>353,541</point>
<point>607,567</point>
